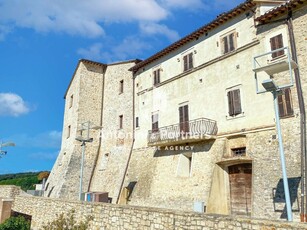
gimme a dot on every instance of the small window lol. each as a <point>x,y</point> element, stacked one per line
<point>277,43</point>
<point>121,86</point>
<point>68,131</point>
<point>234,102</point>
<point>71,101</point>
<point>137,122</point>
<point>228,43</point>
<point>121,121</point>
<point>285,103</point>
<point>156,75</point>
<point>184,119</point>
<point>238,152</point>
<point>188,62</point>
<point>155,122</point>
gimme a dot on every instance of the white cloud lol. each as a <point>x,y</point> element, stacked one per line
<point>154,28</point>
<point>191,4</point>
<point>130,48</point>
<point>77,16</point>
<point>12,105</point>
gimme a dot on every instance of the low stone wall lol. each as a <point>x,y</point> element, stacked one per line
<point>110,216</point>
<point>10,191</point>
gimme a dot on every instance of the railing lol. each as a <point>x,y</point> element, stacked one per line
<point>197,129</point>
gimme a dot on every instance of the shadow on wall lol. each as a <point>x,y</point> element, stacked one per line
<point>172,150</point>
<point>279,200</point>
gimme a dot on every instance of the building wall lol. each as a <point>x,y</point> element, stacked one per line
<point>155,170</point>
<point>86,88</point>
<point>109,216</point>
<point>116,142</point>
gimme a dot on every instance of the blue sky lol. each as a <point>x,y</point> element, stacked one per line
<point>41,42</point>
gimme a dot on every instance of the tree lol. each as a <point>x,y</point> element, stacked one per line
<point>43,175</point>
<point>14,223</point>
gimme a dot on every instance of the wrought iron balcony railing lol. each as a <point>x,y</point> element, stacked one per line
<point>190,131</point>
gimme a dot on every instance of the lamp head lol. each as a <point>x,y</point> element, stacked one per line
<point>270,85</point>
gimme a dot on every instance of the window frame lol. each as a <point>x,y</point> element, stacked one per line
<point>156,76</point>
<point>285,103</point>
<point>155,122</point>
<point>121,121</point>
<point>228,42</point>
<point>121,86</point>
<point>188,61</point>
<point>236,112</point>
<point>276,42</point>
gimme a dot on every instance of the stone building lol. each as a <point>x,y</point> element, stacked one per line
<point>99,97</point>
<point>193,129</point>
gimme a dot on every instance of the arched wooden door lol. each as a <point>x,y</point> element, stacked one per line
<point>240,182</point>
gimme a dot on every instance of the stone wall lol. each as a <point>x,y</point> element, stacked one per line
<point>10,191</point>
<point>109,216</point>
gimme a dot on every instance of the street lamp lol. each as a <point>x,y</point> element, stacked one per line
<point>6,144</point>
<point>270,86</point>
<point>84,126</point>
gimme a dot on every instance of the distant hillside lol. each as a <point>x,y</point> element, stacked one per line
<point>26,180</point>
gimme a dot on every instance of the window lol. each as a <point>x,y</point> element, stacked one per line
<point>277,43</point>
<point>155,122</point>
<point>184,119</point>
<point>156,75</point>
<point>71,101</point>
<point>188,62</point>
<point>236,152</point>
<point>228,43</point>
<point>121,86</point>
<point>68,131</point>
<point>137,122</point>
<point>285,103</point>
<point>121,121</point>
<point>234,102</point>
<point>184,165</point>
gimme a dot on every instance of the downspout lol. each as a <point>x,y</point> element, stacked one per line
<point>133,139</point>
<point>100,124</point>
<point>303,215</point>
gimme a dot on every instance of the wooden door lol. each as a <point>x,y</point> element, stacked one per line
<point>240,182</point>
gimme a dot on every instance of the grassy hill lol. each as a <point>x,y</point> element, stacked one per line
<point>26,180</point>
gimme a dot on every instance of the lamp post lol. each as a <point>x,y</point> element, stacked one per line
<point>86,126</point>
<point>270,86</point>
<point>6,144</point>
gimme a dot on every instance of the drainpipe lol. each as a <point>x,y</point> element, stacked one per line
<point>100,124</point>
<point>303,215</point>
<point>133,139</point>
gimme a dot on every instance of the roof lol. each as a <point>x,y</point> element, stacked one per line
<point>96,63</point>
<point>222,18</point>
<point>281,9</point>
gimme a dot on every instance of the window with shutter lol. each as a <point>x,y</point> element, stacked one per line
<point>277,43</point>
<point>285,103</point>
<point>184,118</point>
<point>156,75</point>
<point>188,62</point>
<point>234,102</point>
<point>229,43</point>
<point>155,122</point>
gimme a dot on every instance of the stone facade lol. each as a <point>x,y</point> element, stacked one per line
<point>93,96</point>
<point>156,170</point>
<point>110,216</point>
<point>209,75</point>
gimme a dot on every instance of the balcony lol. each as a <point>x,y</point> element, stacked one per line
<point>186,132</point>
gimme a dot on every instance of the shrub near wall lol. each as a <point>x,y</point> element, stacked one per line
<point>110,216</point>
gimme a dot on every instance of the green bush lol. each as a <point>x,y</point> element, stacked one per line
<point>68,222</point>
<point>15,223</point>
